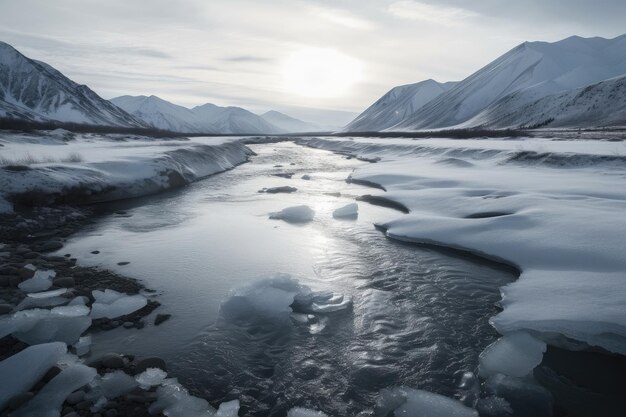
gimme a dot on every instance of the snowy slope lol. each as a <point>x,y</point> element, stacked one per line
<point>34,90</point>
<point>554,209</point>
<point>233,120</point>
<point>162,114</point>
<point>600,104</point>
<point>539,68</point>
<point>395,106</point>
<point>290,124</point>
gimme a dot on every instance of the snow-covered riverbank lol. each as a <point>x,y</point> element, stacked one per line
<point>63,167</point>
<point>554,209</point>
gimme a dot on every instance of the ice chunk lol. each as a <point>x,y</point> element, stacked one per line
<point>268,298</point>
<point>47,294</point>
<point>174,401</point>
<point>515,354</point>
<point>305,412</point>
<point>228,409</point>
<point>320,302</point>
<point>28,302</point>
<point>294,214</point>
<point>525,396</point>
<point>112,304</point>
<point>48,402</point>
<point>348,211</point>
<point>419,403</point>
<point>78,301</point>
<point>150,377</point>
<point>63,324</point>
<point>83,345</point>
<point>41,281</point>
<point>21,371</point>
<point>112,385</point>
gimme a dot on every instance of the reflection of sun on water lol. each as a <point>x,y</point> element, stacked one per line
<point>320,72</point>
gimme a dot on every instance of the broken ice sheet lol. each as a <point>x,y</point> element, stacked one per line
<point>41,281</point>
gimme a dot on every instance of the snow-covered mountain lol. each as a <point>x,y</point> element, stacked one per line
<point>396,105</point>
<point>601,104</point>
<point>207,118</point>
<point>162,114</point>
<point>233,120</point>
<point>538,69</point>
<point>290,124</point>
<point>33,90</point>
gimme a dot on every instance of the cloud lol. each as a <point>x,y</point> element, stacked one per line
<point>247,58</point>
<point>343,18</point>
<point>413,10</point>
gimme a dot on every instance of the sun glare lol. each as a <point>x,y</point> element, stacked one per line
<point>320,72</point>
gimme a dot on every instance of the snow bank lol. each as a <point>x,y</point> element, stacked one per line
<point>295,214</point>
<point>561,223</point>
<point>109,168</point>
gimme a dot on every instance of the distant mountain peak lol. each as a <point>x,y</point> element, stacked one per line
<point>36,91</point>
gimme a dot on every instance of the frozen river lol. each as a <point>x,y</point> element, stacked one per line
<point>419,316</point>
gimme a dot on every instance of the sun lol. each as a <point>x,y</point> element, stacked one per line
<point>320,72</point>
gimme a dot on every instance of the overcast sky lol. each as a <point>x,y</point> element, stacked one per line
<point>288,55</point>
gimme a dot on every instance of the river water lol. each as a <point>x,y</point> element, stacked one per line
<point>419,316</point>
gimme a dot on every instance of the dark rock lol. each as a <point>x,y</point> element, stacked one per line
<point>160,318</point>
<point>20,399</point>
<point>26,273</point>
<point>52,372</point>
<point>110,413</point>
<point>50,246</point>
<point>69,412</point>
<point>75,397</point>
<point>128,324</point>
<point>31,255</point>
<point>5,280</point>
<point>95,252</point>
<point>123,263</point>
<point>64,282</point>
<point>283,189</point>
<point>112,360</point>
<point>14,281</point>
<point>9,270</point>
<point>6,308</point>
<point>284,175</point>
<point>151,362</point>
<point>83,405</point>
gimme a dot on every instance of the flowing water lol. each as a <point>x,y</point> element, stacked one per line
<point>419,316</point>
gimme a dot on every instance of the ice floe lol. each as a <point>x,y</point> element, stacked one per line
<point>41,281</point>
<point>21,371</point>
<point>48,401</point>
<point>305,412</point>
<point>150,377</point>
<point>515,354</point>
<point>294,214</point>
<point>34,326</point>
<point>112,304</point>
<point>418,403</point>
<point>348,211</point>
